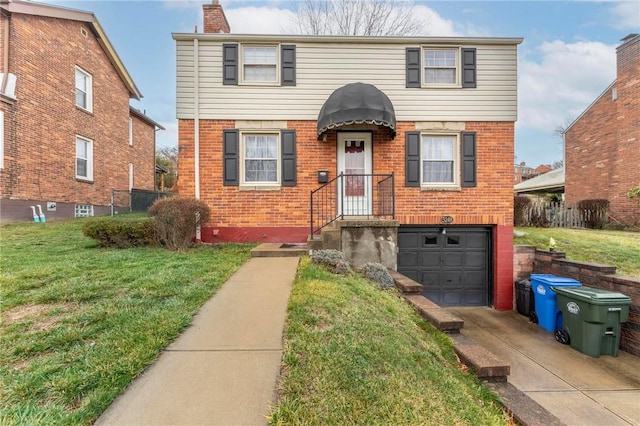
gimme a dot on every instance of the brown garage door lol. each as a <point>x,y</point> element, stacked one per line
<point>452,264</point>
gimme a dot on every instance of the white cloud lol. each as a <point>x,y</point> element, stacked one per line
<point>626,15</point>
<point>259,20</point>
<point>567,77</point>
<point>434,24</point>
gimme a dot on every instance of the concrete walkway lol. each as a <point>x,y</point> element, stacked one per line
<point>223,370</point>
<point>576,388</point>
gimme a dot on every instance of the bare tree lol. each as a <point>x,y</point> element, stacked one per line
<point>357,17</point>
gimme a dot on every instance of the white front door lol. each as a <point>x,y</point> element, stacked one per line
<point>354,161</point>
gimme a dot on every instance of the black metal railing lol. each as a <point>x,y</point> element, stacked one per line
<point>356,195</point>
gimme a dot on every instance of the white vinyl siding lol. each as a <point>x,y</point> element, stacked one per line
<point>322,68</point>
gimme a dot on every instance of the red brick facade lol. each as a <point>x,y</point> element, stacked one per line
<point>603,145</point>
<point>282,215</point>
<point>214,19</point>
<point>43,122</point>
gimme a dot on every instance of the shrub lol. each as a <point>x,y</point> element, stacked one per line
<point>520,208</point>
<point>176,219</point>
<point>328,257</point>
<point>378,272</point>
<point>594,212</point>
<point>120,232</point>
<point>343,268</point>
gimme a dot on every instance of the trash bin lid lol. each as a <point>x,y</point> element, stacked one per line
<point>595,296</point>
<point>553,280</point>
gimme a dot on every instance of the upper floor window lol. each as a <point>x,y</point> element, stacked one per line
<point>439,160</point>
<point>84,89</point>
<point>260,158</point>
<point>440,66</point>
<point>260,64</point>
<point>131,131</point>
<point>1,139</point>
<point>84,158</point>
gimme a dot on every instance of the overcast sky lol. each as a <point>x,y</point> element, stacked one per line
<point>566,60</point>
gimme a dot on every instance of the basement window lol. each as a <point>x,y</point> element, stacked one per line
<point>84,210</point>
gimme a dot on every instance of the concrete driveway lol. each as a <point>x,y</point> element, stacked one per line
<point>576,388</point>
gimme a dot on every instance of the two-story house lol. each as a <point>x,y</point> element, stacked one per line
<point>602,146</point>
<point>67,132</point>
<point>282,134</point>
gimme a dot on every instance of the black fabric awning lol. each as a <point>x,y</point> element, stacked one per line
<point>357,103</point>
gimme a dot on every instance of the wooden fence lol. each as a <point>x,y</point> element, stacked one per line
<point>554,215</point>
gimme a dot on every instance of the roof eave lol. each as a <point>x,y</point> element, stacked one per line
<point>50,11</point>
<point>145,118</point>
<point>346,39</point>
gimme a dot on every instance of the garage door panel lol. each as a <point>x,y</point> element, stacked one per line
<point>450,259</point>
<point>453,266</point>
<point>408,259</point>
<point>408,241</point>
<point>476,259</point>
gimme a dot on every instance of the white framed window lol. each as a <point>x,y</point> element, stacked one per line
<point>131,131</point>
<point>84,89</point>
<point>440,66</point>
<point>1,139</point>
<point>84,210</point>
<point>260,159</point>
<point>260,64</point>
<point>439,162</point>
<point>84,158</point>
<point>130,176</point>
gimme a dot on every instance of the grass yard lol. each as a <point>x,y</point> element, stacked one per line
<point>80,322</point>
<point>355,354</point>
<point>615,248</point>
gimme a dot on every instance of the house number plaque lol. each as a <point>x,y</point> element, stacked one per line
<point>446,220</point>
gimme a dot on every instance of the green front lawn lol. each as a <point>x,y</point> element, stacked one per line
<point>358,355</point>
<point>616,248</point>
<point>80,322</point>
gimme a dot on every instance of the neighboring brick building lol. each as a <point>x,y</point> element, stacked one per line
<point>69,133</point>
<point>264,120</point>
<point>602,146</point>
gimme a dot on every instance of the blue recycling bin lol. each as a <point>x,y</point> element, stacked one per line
<point>546,305</point>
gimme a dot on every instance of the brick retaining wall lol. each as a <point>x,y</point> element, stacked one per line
<point>528,260</point>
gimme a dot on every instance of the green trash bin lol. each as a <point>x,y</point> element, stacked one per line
<point>592,318</point>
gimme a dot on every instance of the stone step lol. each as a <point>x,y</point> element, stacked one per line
<point>485,364</point>
<point>440,318</point>
<point>279,250</point>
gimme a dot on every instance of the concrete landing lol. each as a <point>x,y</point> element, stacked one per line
<point>224,368</point>
<point>575,388</point>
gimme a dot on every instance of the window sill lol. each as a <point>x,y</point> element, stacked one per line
<point>441,188</point>
<point>441,86</point>
<point>259,188</point>
<point>79,108</point>
<point>84,180</point>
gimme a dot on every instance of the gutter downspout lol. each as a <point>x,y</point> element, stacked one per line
<point>196,130</point>
<point>5,59</point>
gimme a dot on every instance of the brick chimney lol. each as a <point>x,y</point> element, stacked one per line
<point>214,19</point>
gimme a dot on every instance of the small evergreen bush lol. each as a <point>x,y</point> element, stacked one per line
<point>378,272</point>
<point>176,219</point>
<point>120,232</point>
<point>328,257</point>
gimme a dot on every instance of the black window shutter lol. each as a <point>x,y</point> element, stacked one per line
<point>288,141</point>
<point>413,67</point>
<point>469,159</point>
<point>231,154</point>
<point>469,68</point>
<point>288,53</point>
<point>230,64</point>
<point>412,153</point>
